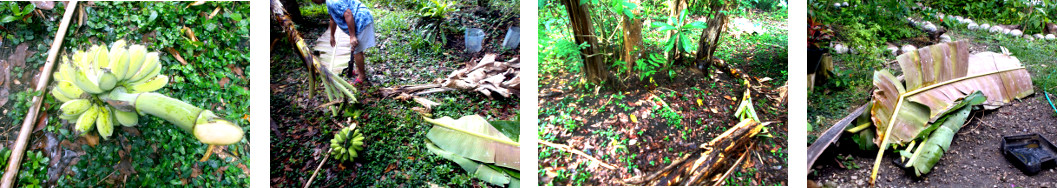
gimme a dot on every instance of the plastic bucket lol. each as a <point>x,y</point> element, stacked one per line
<point>513,38</point>
<point>474,37</point>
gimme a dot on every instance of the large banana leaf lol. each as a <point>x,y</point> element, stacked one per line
<point>472,137</point>
<point>936,76</point>
<point>334,58</point>
<point>481,171</point>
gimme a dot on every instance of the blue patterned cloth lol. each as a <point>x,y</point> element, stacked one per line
<point>360,14</point>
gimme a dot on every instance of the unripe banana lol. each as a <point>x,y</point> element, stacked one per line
<point>105,123</point>
<point>107,81</point>
<point>136,55</point>
<point>68,89</point>
<point>151,85</point>
<point>86,122</point>
<point>71,118</point>
<point>82,81</point>
<point>150,62</point>
<point>59,96</point>
<point>75,107</point>
<point>119,61</point>
<point>102,57</point>
<point>127,119</point>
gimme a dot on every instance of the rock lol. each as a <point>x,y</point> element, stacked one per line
<point>836,5</point>
<point>1006,31</point>
<point>945,38</point>
<point>995,29</point>
<point>845,4</point>
<point>839,48</point>
<point>929,27</point>
<point>907,48</point>
<point>1039,36</point>
<point>892,48</point>
<point>985,26</point>
<point>1016,33</point>
<point>1050,37</point>
<point>1029,38</point>
<point>973,26</point>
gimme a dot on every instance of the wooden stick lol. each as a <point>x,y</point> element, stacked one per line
<point>317,168</point>
<point>578,152</point>
<point>45,77</point>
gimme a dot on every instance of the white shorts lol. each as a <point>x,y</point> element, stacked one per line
<point>366,38</point>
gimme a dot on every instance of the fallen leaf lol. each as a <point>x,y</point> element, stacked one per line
<point>699,103</point>
<point>92,139</point>
<point>728,97</point>
<point>633,119</point>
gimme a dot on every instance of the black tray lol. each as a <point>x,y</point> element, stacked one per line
<point>1031,152</point>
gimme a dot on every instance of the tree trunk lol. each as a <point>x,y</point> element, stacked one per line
<point>676,7</point>
<point>706,47</point>
<point>583,32</point>
<point>632,38</point>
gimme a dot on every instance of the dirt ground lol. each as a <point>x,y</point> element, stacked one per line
<point>599,113</point>
<point>974,159</point>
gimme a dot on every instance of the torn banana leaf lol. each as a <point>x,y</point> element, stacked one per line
<point>334,58</point>
<point>941,135</point>
<point>936,76</point>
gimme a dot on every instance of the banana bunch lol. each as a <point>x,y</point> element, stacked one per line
<point>346,143</point>
<point>85,81</point>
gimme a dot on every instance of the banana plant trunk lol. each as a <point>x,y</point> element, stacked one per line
<point>706,47</point>
<point>583,32</point>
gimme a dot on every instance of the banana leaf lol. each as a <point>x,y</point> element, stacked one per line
<point>936,76</point>
<point>479,170</point>
<point>334,58</point>
<point>474,138</point>
<point>939,139</point>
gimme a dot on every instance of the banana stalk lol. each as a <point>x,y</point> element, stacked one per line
<point>103,87</point>
<point>335,87</point>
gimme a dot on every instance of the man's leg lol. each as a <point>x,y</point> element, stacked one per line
<point>360,67</point>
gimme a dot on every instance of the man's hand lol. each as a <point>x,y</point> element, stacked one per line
<point>332,40</point>
<point>354,41</point>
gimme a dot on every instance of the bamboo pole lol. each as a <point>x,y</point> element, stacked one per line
<point>45,77</point>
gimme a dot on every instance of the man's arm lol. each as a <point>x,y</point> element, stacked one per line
<point>352,28</point>
<point>331,28</point>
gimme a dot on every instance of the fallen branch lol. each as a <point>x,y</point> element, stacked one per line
<point>578,152</point>
<point>712,157</point>
<point>31,116</point>
<point>719,181</point>
<point>309,182</point>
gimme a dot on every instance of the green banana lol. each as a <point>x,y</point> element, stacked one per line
<point>136,55</point>
<point>149,64</point>
<point>87,120</point>
<point>107,81</point>
<point>345,146</point>
<point>68,89</point>
<point>127,119</point>
<point>75,107</point>
<point>119,61</point>
<point>82,81</point>
<point>102,56</point>
<point>105,123</point>
<point>59,96</point>
<point>151,85</point>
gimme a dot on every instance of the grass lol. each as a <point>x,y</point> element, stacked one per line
<point>153,153</point>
